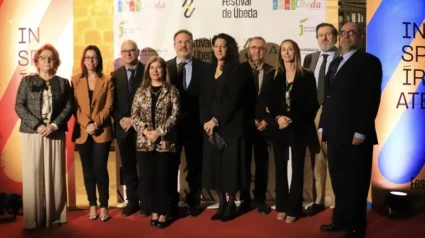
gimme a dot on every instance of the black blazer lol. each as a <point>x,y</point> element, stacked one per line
<point>29,102</point>
<point>189,98</point>
<point>261,98</point>
<point>352,100</point>
<point>304,106</point>
<point>234,103</point>
<point>123,97</point>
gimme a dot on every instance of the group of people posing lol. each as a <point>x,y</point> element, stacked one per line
<point>219,112</point>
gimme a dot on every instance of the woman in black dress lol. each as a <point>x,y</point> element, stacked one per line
<point>293,105</point>
<point>225,111</point>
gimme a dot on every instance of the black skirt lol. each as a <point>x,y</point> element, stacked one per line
<point>225,171</point>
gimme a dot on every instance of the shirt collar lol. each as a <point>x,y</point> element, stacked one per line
<point>188,61</point>
<point>253,66</point>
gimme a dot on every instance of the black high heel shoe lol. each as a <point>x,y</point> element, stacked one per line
<point>162,224</point>
<point>154,222</point>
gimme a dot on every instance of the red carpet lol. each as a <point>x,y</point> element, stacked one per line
<point>247,226</point>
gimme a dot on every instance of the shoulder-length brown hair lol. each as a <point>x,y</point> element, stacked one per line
<point>99,68</point>
<point>280,66</point>
<point>50,47</point>
<point>147,80</point>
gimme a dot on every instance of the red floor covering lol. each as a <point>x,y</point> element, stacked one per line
<point>246,226</point>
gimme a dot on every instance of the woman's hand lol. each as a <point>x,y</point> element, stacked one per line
<point>209,127</point>
<point>41,129</point>
<point>283,123</point>
<point>91,128</point>
<point>152,136</point>
<point>47,130</point>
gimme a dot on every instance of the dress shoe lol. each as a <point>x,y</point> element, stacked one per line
<point>144,213</point>
<point>355,233</point>
<point>193,211</point>
<point>230,213</point>
<point>314,209</point>
<point>263,209</point>
<point>245,207</point>
<point>129,210</point>
<point>331,227</point>
<point>104,214</point>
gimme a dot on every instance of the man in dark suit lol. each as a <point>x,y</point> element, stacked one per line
<point>347,124</point>
<point>186,74</point>
<point>127,79</point>
<point>262,76</point>
<point>316,163</point>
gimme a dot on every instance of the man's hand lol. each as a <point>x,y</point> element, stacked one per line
<point>357,141</point>
<point>283,123</point>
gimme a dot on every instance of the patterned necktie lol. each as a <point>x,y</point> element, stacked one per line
<point>334,67</point>
<point>183,73</point>
<point>130,81</point>
<point>321,83</point>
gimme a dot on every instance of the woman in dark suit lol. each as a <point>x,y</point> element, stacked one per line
<point>44,105</point>
<point>293,105</point>
<point>226,110</point>
<point>154,114</point>
<point>94,97</point>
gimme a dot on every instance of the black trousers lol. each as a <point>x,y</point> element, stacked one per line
<point>127,148</point>
<point>94,160</point>
<point>191,140</point>
<point>350,169</point>
<point>154,177</point>
<point>289,199</point>
<point>261,158</point>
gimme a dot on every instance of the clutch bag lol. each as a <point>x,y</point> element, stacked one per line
<point>217,141</point>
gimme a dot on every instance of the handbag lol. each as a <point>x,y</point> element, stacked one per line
<point>217,141</point>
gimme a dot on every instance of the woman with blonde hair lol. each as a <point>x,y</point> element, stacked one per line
<point>293,105</point>
<point>154,114</point>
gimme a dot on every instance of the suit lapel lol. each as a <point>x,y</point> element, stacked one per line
<point>172,70</point>
<point>314,59</point>
<point>344,66</point>
<point>194,73</point>
<point>83,90</point>
<point>97,89</point>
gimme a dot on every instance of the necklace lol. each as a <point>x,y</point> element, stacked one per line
<point>156,93</point>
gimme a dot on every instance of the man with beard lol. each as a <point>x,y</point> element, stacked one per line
<point>262,75</point>
<point>127,79</point>
<point>347,124</point>
<point>186,74</point>
<point>315,172</point>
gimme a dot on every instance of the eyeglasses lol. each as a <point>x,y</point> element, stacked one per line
<point>45,58</point>
<point>88,58</point>
<point>349,33</point>
<point>188,42</point>
<point>255,48</point>
<point>220,47</point>
<point>126,52</point>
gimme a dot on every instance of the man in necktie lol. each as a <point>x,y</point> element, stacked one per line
<point>262,75</point>
<point>186,73</point>
<point>316,166</point>
<point>127,79</point>
<point>347,125</point>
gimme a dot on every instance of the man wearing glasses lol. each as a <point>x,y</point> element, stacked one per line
<point>262,75</point>
<point>186,74</point>
<point>347,125</point>
<point>315,172</point>
<point>127,79</point>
